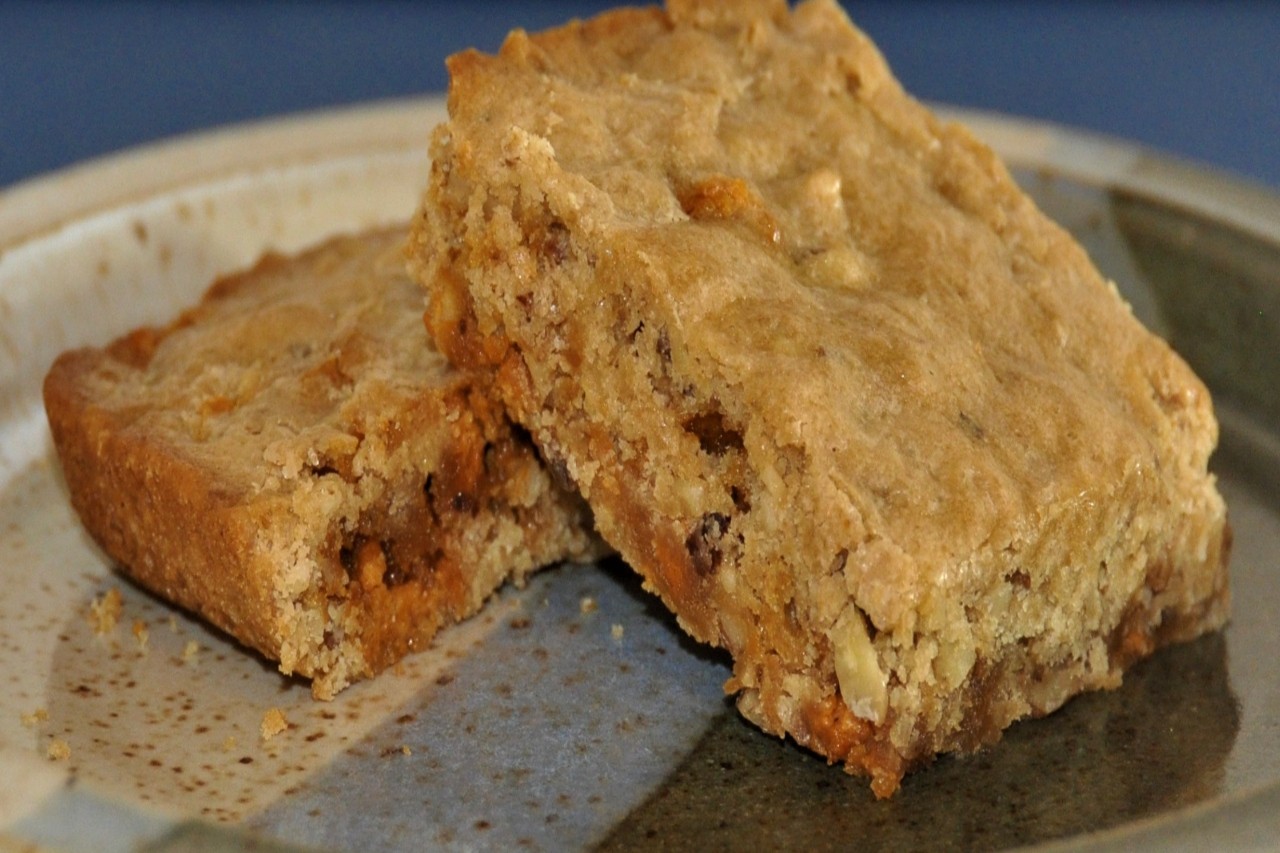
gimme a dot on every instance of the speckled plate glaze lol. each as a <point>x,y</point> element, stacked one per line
<point>573,714</point>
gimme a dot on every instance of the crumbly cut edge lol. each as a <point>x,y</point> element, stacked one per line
<point>299,576</point>
<point>1175,593</point>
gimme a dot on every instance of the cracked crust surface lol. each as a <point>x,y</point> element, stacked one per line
<point>857,411</point>
<point>293,461</point>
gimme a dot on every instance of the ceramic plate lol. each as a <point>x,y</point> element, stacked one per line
<point>543,723</point>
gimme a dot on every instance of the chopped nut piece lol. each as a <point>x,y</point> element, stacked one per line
<point>587,605</point>
<point>616,632</point>
<point>59,750</point>
<point>190,650</point>
<point>862,683</point>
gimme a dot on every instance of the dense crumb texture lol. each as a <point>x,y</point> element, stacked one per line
<point>292,460</point>
<point>855,409</point>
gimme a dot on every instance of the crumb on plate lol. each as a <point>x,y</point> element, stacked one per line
<point>273,723</point>
<point>104,612</point>
<point>141,632</point>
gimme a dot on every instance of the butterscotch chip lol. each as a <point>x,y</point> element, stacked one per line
<point>294,462</point>
<point>855,408</point>
<point>273,723</point>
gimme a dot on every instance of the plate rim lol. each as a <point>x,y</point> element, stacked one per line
<point>1101,160</point>
<point>43,204</point>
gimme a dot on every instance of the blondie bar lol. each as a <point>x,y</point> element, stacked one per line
<point>852,405</point>
<point>294,462</point>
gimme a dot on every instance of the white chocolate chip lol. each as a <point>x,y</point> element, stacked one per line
<point>837,268</point>
<point>823,187</point>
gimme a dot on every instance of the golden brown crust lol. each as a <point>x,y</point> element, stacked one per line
<point>851,404</point>
<point>293,461</point>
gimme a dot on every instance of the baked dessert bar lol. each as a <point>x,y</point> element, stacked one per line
<point>857,411</point>
<point>294,462</point>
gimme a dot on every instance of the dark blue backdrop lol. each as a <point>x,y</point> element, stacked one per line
<point>78,79</point>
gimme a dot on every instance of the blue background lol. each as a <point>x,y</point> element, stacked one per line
<point>79,79</point>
